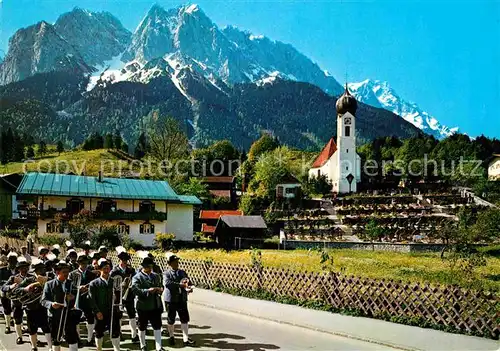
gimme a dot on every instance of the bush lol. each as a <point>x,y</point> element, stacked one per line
<point>51,239</point>
<point>107,236</point>
<point>491,250</point>
<point>164,240</point>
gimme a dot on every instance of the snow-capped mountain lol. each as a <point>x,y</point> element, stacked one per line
<point>380,94</point>
<point>232,55</point>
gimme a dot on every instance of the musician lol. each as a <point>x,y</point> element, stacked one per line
<point>69,245</point>
<point>124,270</point>
<point>59,298</point>
<point>102,298</point>
<point>156,267</point>
<point>177,287</point>
<point>36,315</point>
<point>56,250</point>
<point>146,286</point>
<point>103,251</point>
<point>86,248</point>
<point>71,257</point>
<point>8,288</point>
<point>84,303</point>
<point>42,253</point>
<point>5,250</point>
<point>50,263</point>
<point>5,274</point>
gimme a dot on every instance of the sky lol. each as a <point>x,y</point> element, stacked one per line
<point>443,55</point>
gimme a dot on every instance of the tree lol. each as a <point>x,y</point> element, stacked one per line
<point>108,141</point>
<point>60,147</point>
<point>270,169</point>
<point>373,231</point>
<point>318,185</point>
<point>167,142</point>
<point>30,153</point>
<point>124,147</point>
<point>141,147</point>
<point>194,187</point>
<point>18,150</point>
<point>117,141</point>
<point>264,144</point>
<point>223,149</point>
<point>42,148</point>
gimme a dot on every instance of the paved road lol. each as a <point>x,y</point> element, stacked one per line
<point>218,330</point>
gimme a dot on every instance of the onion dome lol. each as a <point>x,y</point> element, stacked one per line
<point>346,103</point>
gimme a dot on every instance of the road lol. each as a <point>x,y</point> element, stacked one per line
<point>219,330</point>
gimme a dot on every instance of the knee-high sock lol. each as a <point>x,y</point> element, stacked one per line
<point>19,330</point>
<point>157,334</point>
<point>48,337</point>
<point>185,331</point>
<point>98,343</point>
<point>133,327</point>
<point>90,330</point>
<point>116,344</point>
<point>170,328</point>
<point>56,348</point>
<point>73,347</point>
<point>142,338</point>
<point>8,318</point>
<point>33,340</point>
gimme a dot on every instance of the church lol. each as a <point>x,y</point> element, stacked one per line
<point>339,161</point>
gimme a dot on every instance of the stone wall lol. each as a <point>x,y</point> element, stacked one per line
<point>413,247</point>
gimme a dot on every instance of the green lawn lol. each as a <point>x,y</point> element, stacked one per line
<point>77,161</point>
<point>421,267</point>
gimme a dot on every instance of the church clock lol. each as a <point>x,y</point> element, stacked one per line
<point>347,120</point>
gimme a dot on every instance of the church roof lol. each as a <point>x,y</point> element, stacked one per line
<point>325,154</point>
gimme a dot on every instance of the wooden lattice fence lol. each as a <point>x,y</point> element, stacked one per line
<point>475,312</point>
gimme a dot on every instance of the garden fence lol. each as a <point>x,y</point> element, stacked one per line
<point>447,307</point>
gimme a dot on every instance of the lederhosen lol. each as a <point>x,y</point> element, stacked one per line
<point>36,315</point>
<point>175,296</point>
<point>101,300</point>
<point>5,274</point>
<point>149,306</point>
<point>84,302</point>
<point>17,307</point>
<point>129,301</point>
<point>55,291</point>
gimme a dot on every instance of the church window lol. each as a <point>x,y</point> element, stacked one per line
<point>319,173</point>
<point>346,151</point>
<point>347,131</point>
<point>346,168</point>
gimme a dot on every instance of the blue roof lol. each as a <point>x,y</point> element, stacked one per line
<point>113,188</point>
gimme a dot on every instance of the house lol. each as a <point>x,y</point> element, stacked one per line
<point>139,208</point>
<point>209,219</point>
<point>494,167</point>
<point>288,187</point>
<point>221,187</point>
<point>246,227</point>
<point>339,161</point>
<point>8,204</point>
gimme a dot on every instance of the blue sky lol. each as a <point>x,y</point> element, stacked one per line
<point>444,55</point>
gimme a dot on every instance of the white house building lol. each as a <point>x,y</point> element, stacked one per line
<point>494,168</point>
<point>139,208</point>
<point>338,161</point>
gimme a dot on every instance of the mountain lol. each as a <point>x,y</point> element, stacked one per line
<point>232,55</point>
<point>37,49</point>
<point>54,107</point>
<point>380,94</point>
<point>97,36</point>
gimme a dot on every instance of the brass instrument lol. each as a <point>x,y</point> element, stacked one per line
<point>117,286</point>
<point>76,280</point>
<point>33,295</point>
<point>127,285</point>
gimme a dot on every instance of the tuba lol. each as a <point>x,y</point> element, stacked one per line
<point>34,295</point>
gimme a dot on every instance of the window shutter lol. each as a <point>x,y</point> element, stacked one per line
<point>152,206</point>
<point>141,228</point>
<point>47,229</point>
<point>127,229</point>
<point>152,228</point>
<point>81,205</point>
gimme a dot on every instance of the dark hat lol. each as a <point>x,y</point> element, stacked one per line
<point>125,256</point>
<point>36,264</point>
<point>103,262</point>
<point>22,263</point>
<point>82,257</point>
<point>147,261</point>
<point>171,258</point>
<point>61,265</point>
<point>71,252</point>
<point>86,245</point>
<point>102,248</point>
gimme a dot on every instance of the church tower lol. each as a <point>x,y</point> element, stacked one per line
<point>348,171</point>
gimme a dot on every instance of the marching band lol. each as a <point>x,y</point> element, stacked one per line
<point>57,295</point>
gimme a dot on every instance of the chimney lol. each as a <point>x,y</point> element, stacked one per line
<point>99,178</point>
